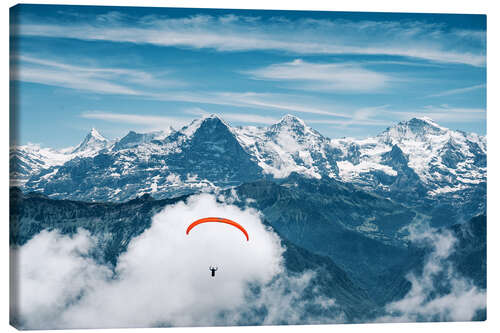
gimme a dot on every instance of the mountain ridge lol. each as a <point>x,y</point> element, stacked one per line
<point>417,162</point>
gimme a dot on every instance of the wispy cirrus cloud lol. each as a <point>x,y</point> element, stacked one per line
<point>70,79</point>
<point>138,84</point>
<point>87,78</point>
<point>419,40</point>
<point>250,118</point>
<point>386,115</point>
<point>149,121</point>
<point>443,113</point>
<point>367,116</point>
<point>341,77</point>
<point>278,102</point>
<point>458,91</point>
<point>237,117</point>
<point>152,122</point>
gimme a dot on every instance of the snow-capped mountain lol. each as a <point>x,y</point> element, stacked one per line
<point>92,143</point>
<point>289,146</point>
<point>31,159</point>
<point>412,162</point>
<point>417,152</point>
<point>202,155</point>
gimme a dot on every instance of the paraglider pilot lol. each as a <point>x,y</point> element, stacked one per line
<point>213,269</point>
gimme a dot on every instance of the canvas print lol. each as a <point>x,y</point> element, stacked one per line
<point>217,167</point>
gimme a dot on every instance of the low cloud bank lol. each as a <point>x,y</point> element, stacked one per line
<point>163,278</point>
<point>439,292</point>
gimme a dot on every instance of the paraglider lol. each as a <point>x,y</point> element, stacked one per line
<point>219,220</point>
<point>213,269</point>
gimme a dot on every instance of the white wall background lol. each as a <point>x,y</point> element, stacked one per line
<point>429,6</point>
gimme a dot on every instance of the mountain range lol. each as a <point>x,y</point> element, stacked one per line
<point>417,163</point>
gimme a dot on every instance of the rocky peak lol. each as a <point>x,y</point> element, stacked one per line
<point>289,121</point>
<point>414,129</point>
<point>92,141</point>
<point>205,124</point>
<point>395,157</point>
<point>292,125</point>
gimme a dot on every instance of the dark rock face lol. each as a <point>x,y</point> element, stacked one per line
<point>133,139</point>
<point>33,212</point>
<point>396,158</point>
<point>452,155</point>
<point>353,154</point>
<point>359,231</point>
<point>213,153</point>
<point>21,164</point>
<point>469,257</point>
<point>406,184</point>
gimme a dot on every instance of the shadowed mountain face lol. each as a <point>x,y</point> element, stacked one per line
<point>470,255</point>
<point>33,213</point>
<point>364,233</point>
<point>213,153</point>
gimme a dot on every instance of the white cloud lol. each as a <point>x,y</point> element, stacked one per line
<point>66,79</point>
<point>88,78</point>
<point>366,116</point>
<point>152,122</point>
<point>49,272</point>
<point>345,77</point>
<point>458,91</point>
<point>281,102</point>
<point>249,118</point>
<point>238,117</point>
<point>426,301</point>
<point>444,112</point>
<point>163,278</point>
<point>303,36</point>
<point>137,83</point>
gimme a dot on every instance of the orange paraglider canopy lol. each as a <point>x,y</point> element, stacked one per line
<point>219,220</point>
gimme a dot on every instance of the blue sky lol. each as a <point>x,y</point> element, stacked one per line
<point>143,69</point>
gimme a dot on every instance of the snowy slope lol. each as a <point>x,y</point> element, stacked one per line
<point>443,160</point>
<point>31,159</point>
<point>92,143</point>
<point>289,146</point>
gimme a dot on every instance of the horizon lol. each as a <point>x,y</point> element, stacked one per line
<point>346,74</point>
